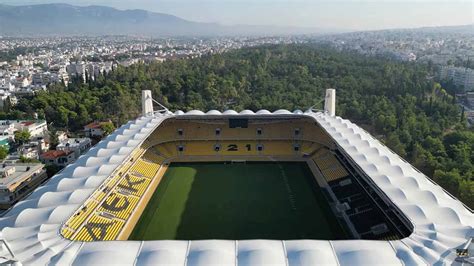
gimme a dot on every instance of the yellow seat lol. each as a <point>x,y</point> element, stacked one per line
<point>146,169</point>
<point>123,204</point>
<point>80,215</point>
<point>134,184</point>
<point>196,148</point>
<point>330,167</point>
<point>111,227</point>
<point>278,148</point>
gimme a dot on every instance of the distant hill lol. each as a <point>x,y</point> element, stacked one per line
<point>463,29</point>
<point>64,19</point>
<point>460,29</point>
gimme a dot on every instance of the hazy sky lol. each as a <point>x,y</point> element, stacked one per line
<point>329,14</point>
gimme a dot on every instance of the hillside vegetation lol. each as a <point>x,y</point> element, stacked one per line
<point>397,102</point>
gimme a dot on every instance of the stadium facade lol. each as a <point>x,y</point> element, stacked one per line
<point>435,228</point>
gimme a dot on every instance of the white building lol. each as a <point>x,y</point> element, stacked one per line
<point>76,145</point>
<point>94,129</point>
<point>59,158</point>
<point>18,180</point>
<point>22,82</point>
<point>37,129</point>
<point>29,151</point>
<point>7,128</point>
<point>4,97</point>
<point>459,75</point>
<point>6,85</point>
<point>76,69</point>
<point>33,149</point>
<point>37,78</point>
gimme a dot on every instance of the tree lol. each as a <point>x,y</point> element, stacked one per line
<point>7,105</point>
<point>22,137</point>
<point>63,116</point>
<point>466,192</point>
<point>52,169</point>
<point>3,152</point>
<point>28,160</point>
<point>448,180</point>
<point>53,139</point>
<point>107,128</point>
<point>394,143</point>
<point>415,116</point>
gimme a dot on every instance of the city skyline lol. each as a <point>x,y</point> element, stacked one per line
<point>335,15</point>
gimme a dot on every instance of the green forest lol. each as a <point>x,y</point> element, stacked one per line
<point>399,103</point>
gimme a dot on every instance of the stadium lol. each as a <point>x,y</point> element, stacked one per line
<point>248,188</point>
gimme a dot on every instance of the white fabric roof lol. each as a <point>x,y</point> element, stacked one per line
<point>30,230</point>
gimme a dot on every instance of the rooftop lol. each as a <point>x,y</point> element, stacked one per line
<point>22,172</point>
<point>94,125</point>
<point>27,123</point>
<point>54,154</point>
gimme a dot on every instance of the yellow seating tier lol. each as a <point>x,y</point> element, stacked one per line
<point>152,157</point>
<point>330,167</point>
<point>278,148</point>
<point>278,138</point>
<point>134,184</point>
<point>79,221</point>
<point>145,169</point>
<point>309,147</point>
<point>270,129</point>
<point>234,147</point>
<point>123,204</point>
<point>103,228</point>
<point>241,147</point>
<point>66,232</point>
<point>78,218</point>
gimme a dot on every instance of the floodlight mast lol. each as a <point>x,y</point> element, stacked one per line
<point>147,104</point>
<point>329,103</point>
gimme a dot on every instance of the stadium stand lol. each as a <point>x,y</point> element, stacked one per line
<point>184,129</point>
<point>117,198</point>
<point>119,205</point>
<point>104,214</point>
<point>133,185</point>
<point>196,148</point>
<point>152,157</point>
<point>100,228</point>
<point>384,197</point>
<point>329,166</point>
<point>78,218</point>
<point>278,148</point>
<point>232,147</point>
<point>145,168</point>
<point>308,147</point>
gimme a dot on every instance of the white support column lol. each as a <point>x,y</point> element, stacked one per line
<point>330,102</point>
<point>147,103</point>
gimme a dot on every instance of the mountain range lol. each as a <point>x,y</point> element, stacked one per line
<point>65,19</point>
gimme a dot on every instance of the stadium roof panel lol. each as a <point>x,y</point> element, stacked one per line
<point>30,230</point>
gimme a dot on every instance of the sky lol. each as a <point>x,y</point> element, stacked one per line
<point>324,14</point>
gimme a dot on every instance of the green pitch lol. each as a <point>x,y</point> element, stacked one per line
<point>237,201</point>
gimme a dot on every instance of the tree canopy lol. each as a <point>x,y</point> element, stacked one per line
<point>22,136</point>
<point>3,152</point>
<point>397,102</point>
